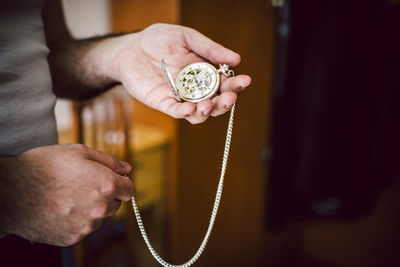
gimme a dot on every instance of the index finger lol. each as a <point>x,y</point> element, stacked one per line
<point>210,50</point>
<point>109,161</point>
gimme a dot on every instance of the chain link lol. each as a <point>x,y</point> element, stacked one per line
<point>224,69</point>
<point>214,210</point>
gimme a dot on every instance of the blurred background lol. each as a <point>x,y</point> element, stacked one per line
<point>313,174</point>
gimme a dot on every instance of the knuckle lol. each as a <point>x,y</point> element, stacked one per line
<point>127,197</point>
<point>100,211</point>
<point>108,188</point>
<point>87,229</point>
<point>81,148</point>
<point>77,234</point>
<point>115,163</point>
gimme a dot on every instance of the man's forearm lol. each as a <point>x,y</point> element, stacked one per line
<point>81,69</point>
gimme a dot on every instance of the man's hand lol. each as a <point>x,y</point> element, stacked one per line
<point>82,69</point>
<point>137,65</point>
<point>59,194</point>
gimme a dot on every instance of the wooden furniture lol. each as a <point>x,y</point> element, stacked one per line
<point>247,28</point>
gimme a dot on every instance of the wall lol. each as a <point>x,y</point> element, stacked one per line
<point>84,18</point>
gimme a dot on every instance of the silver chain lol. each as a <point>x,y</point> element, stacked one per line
<point>214,210</point>
<point>224,69</point>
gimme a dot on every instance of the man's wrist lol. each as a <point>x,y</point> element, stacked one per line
<point>113,55</point>
<point>84,68</point>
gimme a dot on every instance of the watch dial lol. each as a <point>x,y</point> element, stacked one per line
<point>197,81</point>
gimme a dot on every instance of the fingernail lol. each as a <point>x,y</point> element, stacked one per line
<point>206,112</point>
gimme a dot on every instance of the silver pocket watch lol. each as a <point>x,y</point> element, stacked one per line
<point>196,81</point>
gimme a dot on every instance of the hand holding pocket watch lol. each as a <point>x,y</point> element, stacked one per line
<point>140,73</point>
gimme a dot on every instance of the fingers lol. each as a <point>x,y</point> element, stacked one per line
<point>235,84</point>
<point>124,189</point>
<point>106,169</point>
<point>214,107</point>
<point>223,103</point>
<point>199,112</point>
<point>208,49</point>
<point>112,189</point>
<point>104,209</point>
<point>202,112</point>
<point>113,186</point>
<point>176,109</point>
<point>108,160</point>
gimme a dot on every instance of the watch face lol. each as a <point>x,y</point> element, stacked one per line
<point>197,81</point>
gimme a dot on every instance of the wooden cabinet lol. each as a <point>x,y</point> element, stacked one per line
<point>150,147</point>
<point>246,27</point>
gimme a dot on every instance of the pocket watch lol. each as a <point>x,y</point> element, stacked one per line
<point>196,81</point>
